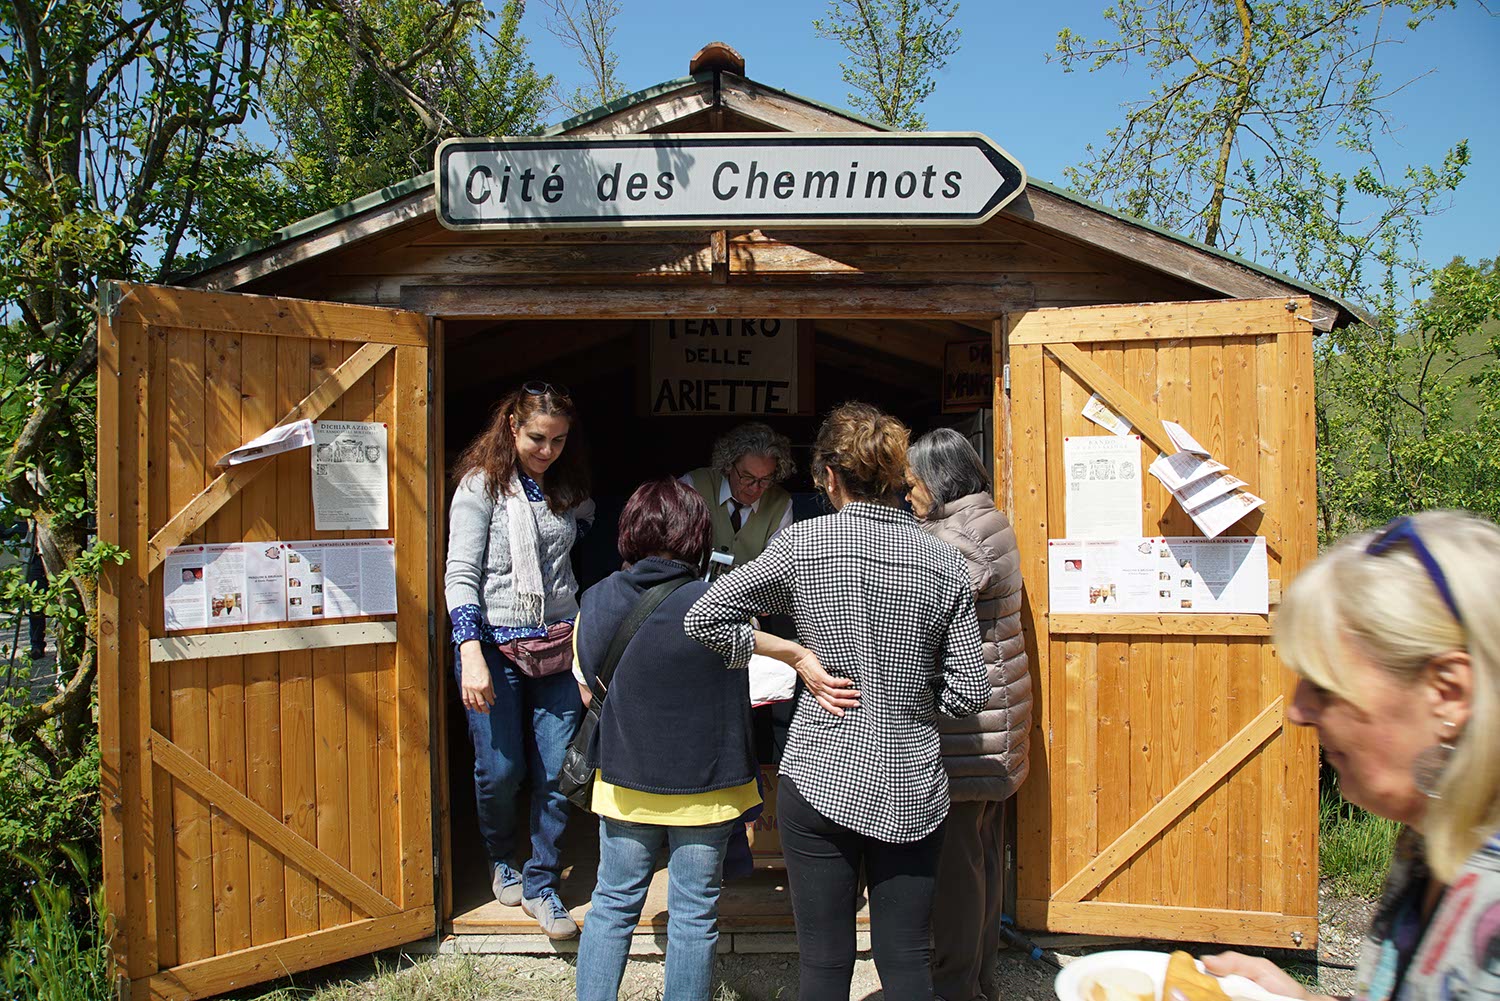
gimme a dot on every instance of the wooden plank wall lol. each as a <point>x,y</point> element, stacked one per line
<point>334,742</point>
<point>308,727</point>
<point>1042,268</point>
<point>1123,718</point>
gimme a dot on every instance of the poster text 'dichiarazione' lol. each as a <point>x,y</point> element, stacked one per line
<point>724,180</point>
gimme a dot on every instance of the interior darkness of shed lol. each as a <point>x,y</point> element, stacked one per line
<point>896,365</point>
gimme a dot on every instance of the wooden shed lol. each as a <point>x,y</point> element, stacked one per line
<point>281,796</point>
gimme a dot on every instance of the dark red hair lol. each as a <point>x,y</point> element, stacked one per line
<point>493,453</point>
<point>665,516</point>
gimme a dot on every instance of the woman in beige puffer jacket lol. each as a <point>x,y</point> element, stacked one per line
<point>985,755</point>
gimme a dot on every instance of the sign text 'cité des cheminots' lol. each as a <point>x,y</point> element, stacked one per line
<point>757,179</point>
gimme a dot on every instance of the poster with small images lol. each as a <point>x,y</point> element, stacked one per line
<point>233,584</point>
<point>1162,575</point>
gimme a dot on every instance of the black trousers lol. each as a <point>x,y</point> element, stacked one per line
<point>823,861</point>
<point>971,894</point>
<point>37,621</point>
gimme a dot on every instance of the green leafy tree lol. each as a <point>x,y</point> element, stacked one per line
<point>1249,99</point>
<point>588,28</point>
<point>893,47</point>
<point>1409,416</point>
<point>118,128</point>
<point>1263,133</point>
<point>366,89</point>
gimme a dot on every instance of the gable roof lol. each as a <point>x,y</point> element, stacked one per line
<point>656,108</point>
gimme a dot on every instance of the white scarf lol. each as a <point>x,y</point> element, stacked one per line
<point>525,553</point>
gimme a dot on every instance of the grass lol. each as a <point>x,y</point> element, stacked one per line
<point>455,978</point>
<point>1354,847</point>
<point>451,978</point>
<point>57,953</point>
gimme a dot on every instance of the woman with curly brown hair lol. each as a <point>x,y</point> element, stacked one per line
<point>522,495</point>
<point>887,615</point>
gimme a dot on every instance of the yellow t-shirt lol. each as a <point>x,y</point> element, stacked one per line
<point>696,809</point>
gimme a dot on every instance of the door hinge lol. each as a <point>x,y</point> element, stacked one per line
<point>109,300</point>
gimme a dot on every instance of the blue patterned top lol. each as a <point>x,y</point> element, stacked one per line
<point>468,620</point>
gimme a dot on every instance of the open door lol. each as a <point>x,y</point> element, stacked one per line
<point>267,790</point>
<point>1168,795</point>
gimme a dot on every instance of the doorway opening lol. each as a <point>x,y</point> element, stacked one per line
<point>896,364</point>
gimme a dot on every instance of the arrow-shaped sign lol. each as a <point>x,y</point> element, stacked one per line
<point>701,181</point>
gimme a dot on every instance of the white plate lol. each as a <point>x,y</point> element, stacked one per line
<point>1070,980</point>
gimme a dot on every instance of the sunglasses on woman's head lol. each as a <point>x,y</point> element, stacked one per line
<point>536,387</point>
<point>1403,530</point>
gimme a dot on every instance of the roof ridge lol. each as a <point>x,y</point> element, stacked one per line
<point>390,193</point>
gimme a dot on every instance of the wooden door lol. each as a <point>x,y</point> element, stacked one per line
<point>1168,795</point>
<point>267,789</point>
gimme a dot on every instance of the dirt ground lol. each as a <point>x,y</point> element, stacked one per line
<point>1342,923</point>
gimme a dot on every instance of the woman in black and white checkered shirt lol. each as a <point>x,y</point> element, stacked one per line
<point>887,615</point>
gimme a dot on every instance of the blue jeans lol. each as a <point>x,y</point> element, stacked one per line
<point>626,856</point>
<point>525,733</point>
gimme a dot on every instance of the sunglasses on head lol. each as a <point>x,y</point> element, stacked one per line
<point>1403,530</point>
<point>536,387</point>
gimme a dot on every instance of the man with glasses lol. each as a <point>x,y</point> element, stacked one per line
<point>741,486</point>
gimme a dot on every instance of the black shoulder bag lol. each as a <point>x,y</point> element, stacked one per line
<point>576,780</point>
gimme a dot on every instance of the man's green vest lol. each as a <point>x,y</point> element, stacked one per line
<point>755,531</point>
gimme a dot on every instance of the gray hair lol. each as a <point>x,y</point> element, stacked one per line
<point>753,438</point>
<point>948,466</point>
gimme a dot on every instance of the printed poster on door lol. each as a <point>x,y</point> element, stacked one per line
<point>236,584</point>
<point>350,483</point>
<point>1103,477</point>
<point>1175,575</point>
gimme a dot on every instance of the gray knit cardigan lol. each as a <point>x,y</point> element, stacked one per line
<point>479,563</point>
<point>987,756</point>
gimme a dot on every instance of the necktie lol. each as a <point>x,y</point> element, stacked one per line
<point>736,514</point>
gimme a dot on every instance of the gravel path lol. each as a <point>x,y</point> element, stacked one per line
<point>1343,921</point>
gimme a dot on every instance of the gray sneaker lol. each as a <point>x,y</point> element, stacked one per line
<point>506,883</point>
<point>550,913</point>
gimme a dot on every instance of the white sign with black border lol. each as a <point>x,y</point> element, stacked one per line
<point>750,179</point>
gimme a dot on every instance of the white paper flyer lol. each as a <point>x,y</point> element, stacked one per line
<point>1101,575</point>
<point>1157,576</point>
<point>253,582</point>
<point>351,488</point>
<point>1099,412</point>
<point>283,438</point>
<point>1178,471</point>
<point>185,604</point>
<point>265,582</point>
<point>1215,517</point>
<point>1184,441</point>
<point>224,574</point>
<point>359,577</point>
<point>1222,575</point>
<point>1103,474</point>
<point>304,580</point>
<point>1196,495</point>
<point>334,578</point>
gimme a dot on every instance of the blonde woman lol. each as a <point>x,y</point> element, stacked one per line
<point>1397,644</point>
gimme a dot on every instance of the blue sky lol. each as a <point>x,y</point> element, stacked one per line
<point>1001,84</point>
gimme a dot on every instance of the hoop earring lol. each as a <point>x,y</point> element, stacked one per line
<point>1430,764</point>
